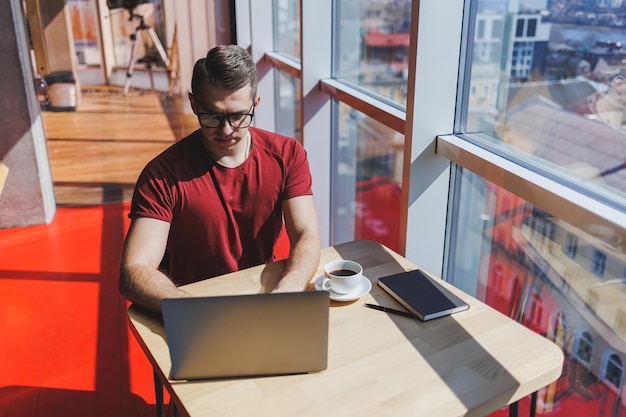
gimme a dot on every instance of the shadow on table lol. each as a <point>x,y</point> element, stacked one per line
<point>481,362</point>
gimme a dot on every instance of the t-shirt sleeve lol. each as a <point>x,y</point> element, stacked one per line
<point>298,180</point>
<point>154,195</point>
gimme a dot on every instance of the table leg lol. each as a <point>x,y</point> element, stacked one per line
<point>514,408</point>
<point>158,391</point>
<point>533,404</point>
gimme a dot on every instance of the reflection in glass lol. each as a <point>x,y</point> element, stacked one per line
<point>122,27</point>
<point>613,370</point>
<point>372,46</point>
<point>542,272</point>
<point>288,108</point>
<point>547,83</point>
<point>287,27</point>
<point>85,31</point>
<point>366,179</point>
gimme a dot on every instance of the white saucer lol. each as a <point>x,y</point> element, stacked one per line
<point>364,287</point>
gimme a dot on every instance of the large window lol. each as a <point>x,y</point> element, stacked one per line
<point>519,259</point>
<point>370,62</point>
<point>372,46</point>
<point>557,94</point>
<point>524,97</point>
<point>531,231</point>
<point>367,170</point>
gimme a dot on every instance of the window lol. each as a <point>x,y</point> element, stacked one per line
<point>497,28</point>
<point>480,29</point>
<point>288,105</point>
<point>532,28</point>
<point>531,177</point>
<point>583,347</point>
<point>287,27</point>
<point>372,46</point>
<point>536,123</point>
<point>571,244</point>
<point>598,263</point>
<point>548,121</point>
<point>85,31</point>
<point>495,227</point>
<point>367,170</point>
<point>369,86</point>
<point>612,369</point>
<point>535,131</point>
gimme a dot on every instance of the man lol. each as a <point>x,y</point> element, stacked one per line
<point>214,202</point>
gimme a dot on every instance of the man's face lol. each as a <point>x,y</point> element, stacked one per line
<point>223,116</point>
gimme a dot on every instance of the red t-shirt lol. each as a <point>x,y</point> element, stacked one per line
<point>221,219</point>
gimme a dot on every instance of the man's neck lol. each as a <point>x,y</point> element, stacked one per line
<point>236,157</point>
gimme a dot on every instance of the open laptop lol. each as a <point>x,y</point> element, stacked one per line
<point>247,335</point>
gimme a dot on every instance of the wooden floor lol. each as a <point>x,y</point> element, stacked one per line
<point>65,345</point>
<point>97,152</point>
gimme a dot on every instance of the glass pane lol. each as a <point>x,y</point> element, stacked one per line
<point>123,29</point>
<point>546,84</point>
<point>522,261</point>
<point>287,27</point>
<point>85,31</point>
<point>372,46</point>
<point>288,109</point>
<point>613,370</point>
<point>367,170</point>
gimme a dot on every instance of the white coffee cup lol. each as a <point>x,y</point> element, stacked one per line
<point>342,276</point>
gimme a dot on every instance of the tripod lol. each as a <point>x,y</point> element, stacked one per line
<point>141,28</point>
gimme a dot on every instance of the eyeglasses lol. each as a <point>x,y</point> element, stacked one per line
<point>235,120</point>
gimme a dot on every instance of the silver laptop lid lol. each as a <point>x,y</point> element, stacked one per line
<point>247,335</point>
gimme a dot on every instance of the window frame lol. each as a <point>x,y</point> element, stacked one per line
<point>560,200</point>
<point>432,146</point>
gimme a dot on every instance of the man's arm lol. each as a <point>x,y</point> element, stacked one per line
<point>140,280</point>
<point>304,238</point>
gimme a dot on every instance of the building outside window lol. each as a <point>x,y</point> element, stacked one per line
<point>549,113</point>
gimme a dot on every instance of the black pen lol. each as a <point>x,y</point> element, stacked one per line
<point>391,310</point>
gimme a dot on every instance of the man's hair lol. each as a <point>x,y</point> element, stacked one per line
<point>226,66</point>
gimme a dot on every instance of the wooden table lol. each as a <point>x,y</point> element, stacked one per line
<point>471,363</point>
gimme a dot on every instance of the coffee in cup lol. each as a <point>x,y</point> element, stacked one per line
<point>342,276</point>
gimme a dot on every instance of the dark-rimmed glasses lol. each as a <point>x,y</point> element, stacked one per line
<point>235,120</point>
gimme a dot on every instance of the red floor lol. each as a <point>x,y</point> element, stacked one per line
<point>64,341</point>
<point>65,345</point>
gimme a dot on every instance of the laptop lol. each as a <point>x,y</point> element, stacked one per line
<point>247,335</point>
